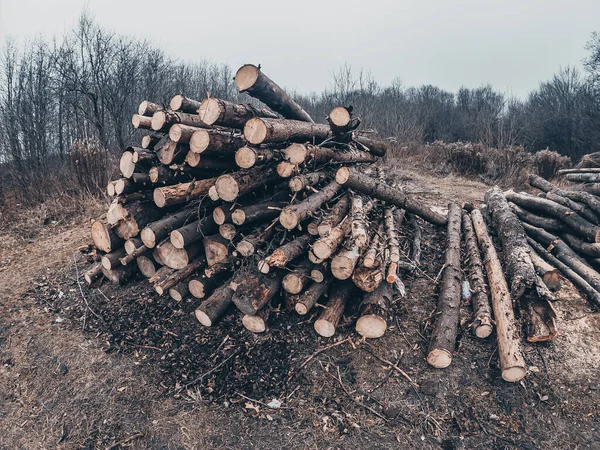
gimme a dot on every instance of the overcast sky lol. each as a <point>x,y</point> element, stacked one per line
<point>511,44</point>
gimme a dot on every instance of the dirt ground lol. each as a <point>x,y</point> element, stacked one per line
<point>87,368</point>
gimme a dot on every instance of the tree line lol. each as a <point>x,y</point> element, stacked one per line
<point>86,86</point>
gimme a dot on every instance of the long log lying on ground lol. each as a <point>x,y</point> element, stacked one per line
<point>252,80</point>
<point>445,330</point>
<point>231,186</point>
<point>182,193</point>
<point>301,182</point>
<point>565,254</point>
<point>580,170</point>
<point>512,363</point>
<point>121,274</point>
<point>215,306</point>
<point>579,208</point>
<point>311,296</point>
<point>260,212</point>
<point>514,244</point>
<point>328,320</point>
<point>257,323</point>
<point>262,131</point>
<point>256,291</point>
<point>574,221</point>
<point>354,179</point>
<point>312,154</point>
<point>293,215</point>
<point>374,312</point>
<point>547,223</point>
<point>585,198</point>
<point>482,313</point>
<point>583,177</point>
<point>592,294</point>
<point>591,249</point>
<point>93,274</point>
<point>392,250</point>
<point>214,111</point>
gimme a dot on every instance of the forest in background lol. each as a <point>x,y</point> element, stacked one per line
<point>66,107</point>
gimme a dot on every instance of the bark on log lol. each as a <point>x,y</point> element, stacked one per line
<point>325,246</point>
<point>312,154</point>
<point>512,363</point>
<point>256,291</point>
<point>93,274</point>
<point>182,193</point>
<point>547,223</point>
<point>445,329</point>
<point>263,131</point>
<point>580,209</point>
<point>234,185</point>
<point>146,265</point>
<point>539,317</point>
<point>581,247</point>
<point>346,260</point>
<point>164,119</point>
<point>580,170</point>
<point>187,105</point>
<point>141,122</point>
<point>147,108</point>
<point>368,279</point>
<point>482,311</point>
<point>216,249</point>
<point>246,157</point>
<point>257,323</point>
<point>179,276</point>
<point>214,111</point>
<point>182,134</point>
<point>285,254</point>
<point>574,221</point>
<point>157,231</point>
<point>335,216</point>
<point>293,215</point>
<point>260,212</point>
<point>545,271</point>
<point>354,179</point>
<point>132,245</point>
<point>376,146</point>
<point>161,274</point>
<point>137,182</point>
<point>135,217</point>
<point>169,152</point>
<point>373,255</point>
<point>252,80</point>
<point>374,312</point>
<point>150,140</point>
<point>592,294</point>
<point>201,286</point>
<point>179,292</point>
<point>216,142</point>
<point>126,164</point>
<point>228,231</point>
<point>318,273</point>
<point>311,296</point>
<point>257,239</point>
<point>104,236</point>
<point>339,295</point>
<point>178,258</point>
<point>583,177</point>
<point>215,306</point>
<point>295,280</point>
<point>301,182</point>
<point>514,244</point>
<point>341,120</point>
<point>193,232</point>
<point>119,275</point>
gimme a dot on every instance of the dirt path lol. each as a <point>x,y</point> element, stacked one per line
<point>61,387</point>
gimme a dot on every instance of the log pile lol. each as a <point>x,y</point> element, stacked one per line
<point>261,209</point>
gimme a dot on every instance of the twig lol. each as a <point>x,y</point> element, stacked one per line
<point>211,370</point>
<point>82,294</point>
<point>316,353</point>
<point>394,366</point>
<point>261,403</point>
<point>126,440</point>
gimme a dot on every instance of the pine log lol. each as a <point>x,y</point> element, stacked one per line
<point>341,120</point>
<point>592,294</point>
<point>157,231</point>
<point>328,320</point>
<point>580,209</point>
<point>312,154</point>
<point>367,279</point>
<point>335,216</point>
<point>216,142</point>
<point>187,105</point>
<point>228,231</point>
<point>256,291</point>
<point>372,257</point>
<point>354,179</point>
<point>313,226</point>
<point>179,276</point>
<point>257,323</point>
<point>169,152</point>
<point>104,236</point>
<point>539,317</point>
<point>141,122</point>
<point>285,169</point>
<point>120,274</point>
<point>377,147</point>
<point>318,273</point>
<point>215,249</point>
<point>326,246</point>
<point>514,244</point>
<point>147,108</point>
<point>213,194</point>
<point>203,166</point>
<point>574,221</point>
<point>262,131</point>
<point>202,286</point>
<point>132,245</point>
<point>301,182</point>
<point>126,164</point>
<point>445,329</point>
<point>161,275</point>
<point>193,232</point>
<point>583,177</point>
<point>246,157</point>
<point>93,274</point>
<point>295,280</point>
<point>146,265</point>
<point>137,182</point>
<point>482,311</point>
<point>579,170</point>
<point>257,239</point>
<point>253,81</point>
<point>374,312</point>
<point>134,197</point>
<point>547,223</point>
<point>545,271</point>
<point>285,254</point>
<point>214,111</point>
<point>346,260</point>
<point>182,193</point>
<point>178,258</point>
<point>182,134</point>
<point>234,185</point>
<point>311,296</point>
<point>583,248</point>
<point>150,140</point>
<point>222,214</point>
<point>134,218</point>
<point>179,291</point>
<point>142,157</point>
<point>110,188</point>
<point>512,363</point>
<point>164,119</point>
<point>260,212</point>
<point>214,307</point>
<point>293,215</point>
<point>564,253</point>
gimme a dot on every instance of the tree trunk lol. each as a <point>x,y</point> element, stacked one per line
<point>374,312</point>
<point>331,315</point>
<point>293,215</point>
<point>179,276</point>
<point>512,363</point>
<point>215,249</point>
<point>260,212</point>
<point>580,209</point>
<point>193,232</point>
<point>234,185</point>
<point>182,134</point>
<point>135,217</point>
<point>178,258</point>
<point>93,274</point>
<point>182,193</point>
<point>373,255</point>
<point>256,291</point>
<point>246,157</point>
<point>104,237</point>
<point>482,314</point>
<point>184,104</point>
<point>341,120</point>
<point>583,248</point>
<point>161,274</point>
<point>137,182</point>
<point>251,80</point>
<point>202,286</point>
<point>312,154</point>
<point>301,182</point>
<point>214,307</point>
<point>368,279</point>
<point>574,221</point>
<point>580,170</point>
<point>214,111</point>
<point>162,120</point>
<point>592,294</point>
<point>141,122</point>
<point>262,131</point>
<point>311,296</point>
<point>146,265</point>
<point>583,177</point>
<point>545,271</point>
<point>354,179</point>
<point>514,244</point>
<point>216,142</point>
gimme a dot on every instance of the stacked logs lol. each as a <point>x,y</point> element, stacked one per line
<point>234,204</point>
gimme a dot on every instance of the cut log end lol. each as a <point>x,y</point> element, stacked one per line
<point>439,358</point>
<point>238,217</point>
<point>324,328</point>
<point>371,326</point>
<point>159,198</point>
<point>301,309</point>
<point>175,294</point>
<point>340,116</point>
<point>199,141</point>
<point>256,324</point>
<point>245,157</point>
<point>210,111</point>
<point>159,118</point>
<point>342,175</point>
<point>219,216</point>
<point>296,153</point>
<point>175,132</point>
<point>514,374</point>
<point>263,267</point>
<point>483,331</point>
<point>246,76</point>
<point>227,188</point>
<point>213,194</point>
<point>255,131</point>
<point>126,164</point>
<point>285,169</point>
<point>177,239</point>
<point>148,238</point>
<point>203,318</point>
<point>289,219</point>
<point>176,102</point>
<point>245,248</point>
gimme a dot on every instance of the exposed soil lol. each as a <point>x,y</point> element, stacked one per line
<point>91,367</point>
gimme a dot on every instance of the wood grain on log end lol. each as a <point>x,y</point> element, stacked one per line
<point>245,157</point>
<point>227,188</point>
<point>255,131</point>
<point>342,175</point>
<point>254,323</point>
<point>199,141</point>
<point>371,326</point>
<point>439,358</point>
<point>324,328</point>
<point>203,318</point>
<point>158,121</point>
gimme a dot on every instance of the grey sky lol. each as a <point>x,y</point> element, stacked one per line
<point>511,44</point>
